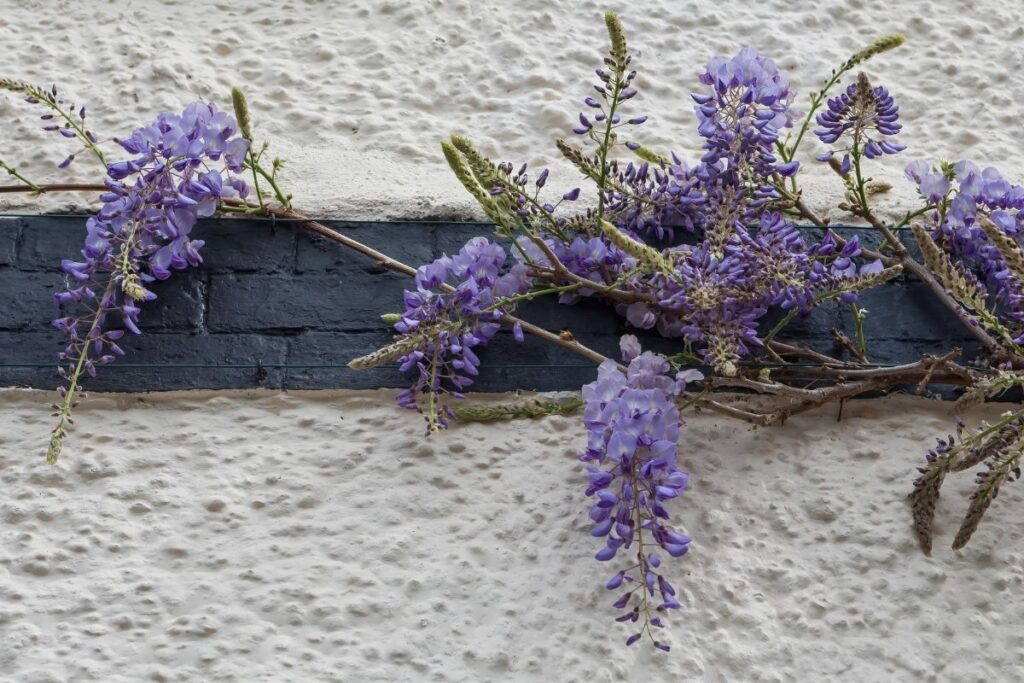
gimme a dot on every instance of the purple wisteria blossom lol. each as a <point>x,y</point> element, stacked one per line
<point>609,95</point>
<point>182,166</point>
<point>720,289</point>
<point>717,302</point>
<point>445,322</point>
<point>740,119</point>
<point>867,117</point>
<point>632,428</point>
<point>588,257</point>
<point>644,198</point>
<point>64,117</point>
<point>931,183</point>
<point>513,185</point>
<point>962,195</point>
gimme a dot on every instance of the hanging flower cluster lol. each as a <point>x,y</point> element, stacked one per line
<point>632,428</point>
<point>740,120</point>
<point>714,293</point>
<point>717,302</point>
<point>182,166</point>
<point>443,323</point>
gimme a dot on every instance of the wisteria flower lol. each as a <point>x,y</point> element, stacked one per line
<point>868,117</point>
<point>632,428</point>
<point>182,166</point>
<point>455,308</point>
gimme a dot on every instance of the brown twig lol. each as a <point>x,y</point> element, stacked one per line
<point>849,346</point>
<point>389,263</point>
<point>930,368</point>
<point>756,419</point>
<point>808,214</point>
<point>951,372</point>
<point>784,349</point>
<point>890,238</point>
<point>59,187</point>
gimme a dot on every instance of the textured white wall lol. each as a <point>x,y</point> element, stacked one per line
<point>356,95</point>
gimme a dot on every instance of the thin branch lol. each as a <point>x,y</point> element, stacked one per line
<point>929,368</point>
<point>560,270</point>
<point>808,214</point>
<point>778,348</point>
<point>881,227</point>
<point>928,278</point>
<point>13,172</point>
<point>58,187</point>
<point>756,419</point>
<point>397,266</point>
<point>988,341</point>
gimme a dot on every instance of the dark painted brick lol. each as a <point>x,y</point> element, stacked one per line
<point>585,317</point>
<point>164,349</point>
<point>193,349</point>
<point>526,379</point>
<point>903,312</point>
<point>178,306</point>
<point>410,243</point>
<point>231,245</point>
<point>346,301</point>
<point>31,378</point>
<point>506,364</point>
<point>338,348</point>
<point>26,299</point>
<point>46,240</point>
<point>10,228</point>
<point>239,245</point>
<point>34,346</point>
<point>530,365</point>
<point>39,348</point>
<point>258,309</point>
<point>29,305</point>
